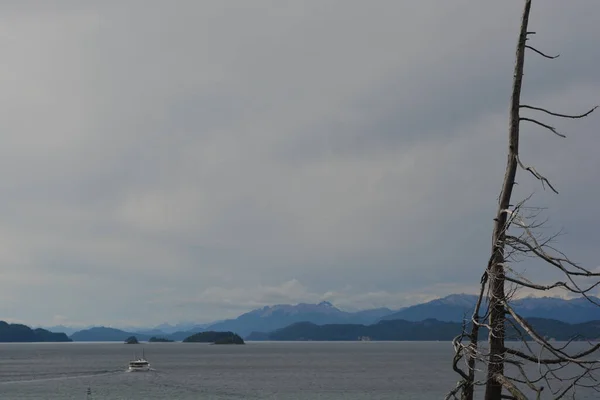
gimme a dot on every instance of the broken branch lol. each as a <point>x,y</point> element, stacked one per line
<point>544,125</point>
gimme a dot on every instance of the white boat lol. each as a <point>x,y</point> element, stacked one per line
<point>141,364</point>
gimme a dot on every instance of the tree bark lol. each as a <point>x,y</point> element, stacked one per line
<point>496,273</point>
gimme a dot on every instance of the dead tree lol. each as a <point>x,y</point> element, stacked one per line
<point>502,371</point>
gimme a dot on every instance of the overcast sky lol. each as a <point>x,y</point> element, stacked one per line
<point>192,160</point>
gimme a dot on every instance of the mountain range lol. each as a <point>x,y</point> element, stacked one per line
<point>455,307</point>
<point>429,329</point>
<point>451,308</point>
<point>279,316</point>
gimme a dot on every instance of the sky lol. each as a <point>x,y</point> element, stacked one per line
<point>190,161</point>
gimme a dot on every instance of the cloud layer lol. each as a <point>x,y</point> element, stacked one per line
<point>191,161</point>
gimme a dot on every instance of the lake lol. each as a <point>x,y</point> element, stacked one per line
<point>257,370</point>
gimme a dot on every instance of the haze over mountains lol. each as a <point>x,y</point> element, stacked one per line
<point>451,308</point>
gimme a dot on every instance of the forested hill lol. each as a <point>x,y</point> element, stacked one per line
<point>22,333</point>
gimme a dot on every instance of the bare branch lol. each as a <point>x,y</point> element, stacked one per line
<point>536,174</point>
<point>556,360</point>
<point>557,262</point>
<point>537,338</point>
<point>576,116</point>
<point>544,125</point>
<point>542,54</point>
<point>552,286</point>
<point>453,392</point>
<point>517,394</point>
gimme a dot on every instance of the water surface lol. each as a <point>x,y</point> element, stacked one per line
<point>257,370</point>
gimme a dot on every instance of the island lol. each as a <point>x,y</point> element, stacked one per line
<point>131,340</point>
<point>19,333</point>
<point>235,339</point>
<point>215,338</point>
<point>155,339</point>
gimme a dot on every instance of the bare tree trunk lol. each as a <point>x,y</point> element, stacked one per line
<point>500,276</point>
<point>496,273</point>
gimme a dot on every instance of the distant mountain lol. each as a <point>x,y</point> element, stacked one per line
<point>68,330</point>
<point>150,332</point>
<point>372,315</point>
<point>572,311</point>
<point>270,318</point>
<point>160,330</point>
<point>455,307</point>
<point>104,334</point>
<point>182,327</point>
<point>180,335</point>
<point>429,329</point>
<point>384,330</point>
<point>263,336</point>
<point>22,333</point>
<point>451,308</point>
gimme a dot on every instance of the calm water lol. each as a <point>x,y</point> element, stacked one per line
<point>275,370</point>
<point>265,370</point>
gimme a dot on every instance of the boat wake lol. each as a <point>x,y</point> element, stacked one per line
<point>63,377</point>
<point>147,370</point>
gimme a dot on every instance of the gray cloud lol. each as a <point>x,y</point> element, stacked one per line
<point>202,159</point>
